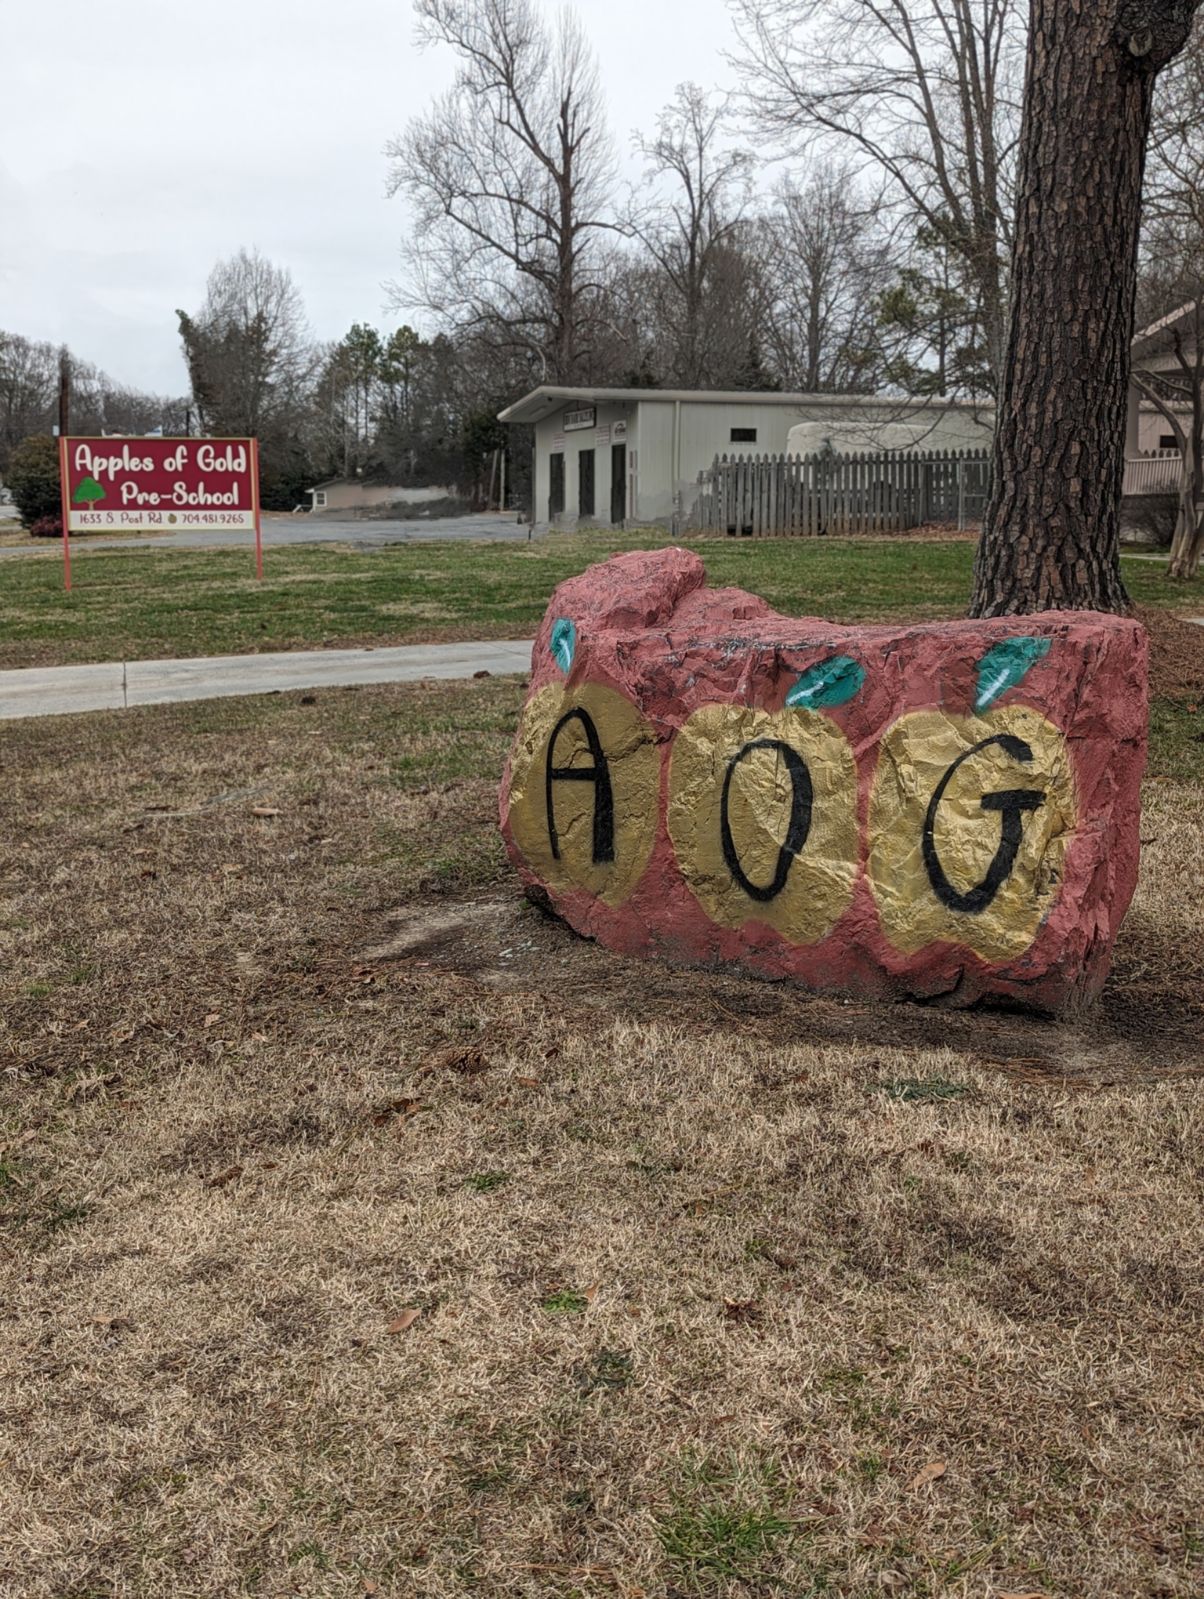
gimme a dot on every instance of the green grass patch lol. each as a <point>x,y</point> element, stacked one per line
<point>726,1527</point>
<point>487,1182</point>
<point>608,1371</point>
<point>925,1090</point>
<point>1177,740</point>
<point>565,1302</point>
<point>145,604</point>
<point>869,1468</point>
<point>62,1214</point>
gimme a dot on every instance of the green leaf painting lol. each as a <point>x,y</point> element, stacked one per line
<point>833,682</point>
<point>1006,665</point>
<point>564,644</point>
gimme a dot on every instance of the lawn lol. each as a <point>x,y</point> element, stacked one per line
<point>138,605</point>
<point>363,1232</point>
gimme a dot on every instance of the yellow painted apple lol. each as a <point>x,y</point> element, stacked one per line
<point>763,818</point>
<point>970,819</point>
<point>584,790</point>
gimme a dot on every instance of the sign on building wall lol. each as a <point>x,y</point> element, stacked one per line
<point>577,421</point>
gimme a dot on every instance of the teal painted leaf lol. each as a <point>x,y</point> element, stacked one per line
<point>1006,665</point>
<point>564,644</point>
<point>832,682</point>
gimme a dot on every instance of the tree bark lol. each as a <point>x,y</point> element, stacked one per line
<point>1051,535</point>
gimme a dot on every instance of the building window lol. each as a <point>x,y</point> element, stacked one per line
<point>319,499</point>
<point>1168,441</point>
<point>744,435</point>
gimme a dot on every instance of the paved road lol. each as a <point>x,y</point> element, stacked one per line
<point>285,532</point>
<point>119,685</point>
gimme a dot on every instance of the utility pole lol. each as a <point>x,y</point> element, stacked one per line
<point>64,392</point>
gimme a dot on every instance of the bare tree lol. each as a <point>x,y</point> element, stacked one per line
<point>28,384</point>
<point>510,175</point>
<point>248,348</point>
<point>829,266</point>
<point>921,92</point>
<point>1051,535</point>
<point>689,228</point>
<point>252,365</point>
<point>1174,181</point>
<point>1168,370</point>
<point>1169,357</point>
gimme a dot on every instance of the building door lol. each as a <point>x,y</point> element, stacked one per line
<point>618,484</point>
<point>555,487</point>
<point>585,483</point>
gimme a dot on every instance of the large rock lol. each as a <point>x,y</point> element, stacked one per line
<point>945,811</point>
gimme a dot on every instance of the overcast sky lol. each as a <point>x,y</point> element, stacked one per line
<point>143,140</point>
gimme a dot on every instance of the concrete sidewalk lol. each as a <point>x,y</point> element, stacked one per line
<point>120,685</point>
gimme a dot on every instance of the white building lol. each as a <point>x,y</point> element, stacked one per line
<point>608,456</point>
<point>1154,352</point>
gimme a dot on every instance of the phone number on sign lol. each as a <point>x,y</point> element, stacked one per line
<point>163,519</point>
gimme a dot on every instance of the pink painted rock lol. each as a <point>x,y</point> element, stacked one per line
<point>948,811</point>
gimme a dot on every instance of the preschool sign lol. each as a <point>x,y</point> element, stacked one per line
<point>134,485</point>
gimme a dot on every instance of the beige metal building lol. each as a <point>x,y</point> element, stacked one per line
<point>351,494</point>
<point>608,456</point>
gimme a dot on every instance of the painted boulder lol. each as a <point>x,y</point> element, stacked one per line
<point>948,811</point>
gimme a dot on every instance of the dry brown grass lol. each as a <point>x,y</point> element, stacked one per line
<point>706,1272</point>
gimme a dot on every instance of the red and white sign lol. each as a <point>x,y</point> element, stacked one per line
<point>130,485</point>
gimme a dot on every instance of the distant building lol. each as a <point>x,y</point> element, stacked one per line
<point>1147,431</point>
<point>609,456</point>
<point>351,495</point>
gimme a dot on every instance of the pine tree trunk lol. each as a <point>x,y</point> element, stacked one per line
<point>1051,536</point>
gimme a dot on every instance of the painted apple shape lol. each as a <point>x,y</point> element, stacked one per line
<point>970,819</point>
<point>763,818</point>
<point>584,786</point>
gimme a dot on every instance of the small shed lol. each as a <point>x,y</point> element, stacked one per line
<point>611,456</point>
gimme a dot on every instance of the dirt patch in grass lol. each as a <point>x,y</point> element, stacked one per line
<point>1148,1026</point>
<point>362,1231</point>
<point>1176,654</point>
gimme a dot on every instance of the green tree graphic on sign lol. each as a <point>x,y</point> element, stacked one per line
<point>88,493</point>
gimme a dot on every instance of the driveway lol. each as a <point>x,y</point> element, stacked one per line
<point>282,532</point>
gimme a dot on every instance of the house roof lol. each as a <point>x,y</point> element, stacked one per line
<point>1164,324</point>
<point>370,480</point>
<point>549,397</point>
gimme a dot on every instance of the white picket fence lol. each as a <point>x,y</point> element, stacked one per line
<point>1153,474</point>
<point>802,496</point>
